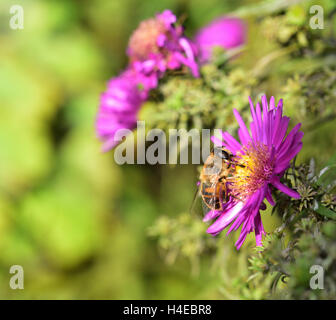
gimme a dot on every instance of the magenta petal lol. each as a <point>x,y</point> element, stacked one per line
<point>287,143</point>
<point>167,17</point>
<point>280,133</point>
<point>276,183</point>
<point>233,144</point>
<point>212,214</point>
<point>243,129</point>
<point>256,130</point>
<point>269,197</point>
<point>284,162</point>
<point>109,144</point>
<point>253,113</point>
<point>280,103</point>
<point>264,105</point>
<point>241,239</point>
<point>272,103</point>
<point>259,116</point>
<point>184,43</point>
<point>161,40</point>
<point>225,219</point>
<point>225,32</point>
<point>259,229</point>
<point>217,141</point>
<point>119,106</point>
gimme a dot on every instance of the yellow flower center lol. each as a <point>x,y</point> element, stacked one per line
<point>144,39</point>
<point>253,172</point>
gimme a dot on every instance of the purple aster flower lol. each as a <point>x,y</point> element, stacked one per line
<point>119,106</point>
<point>158,44</point>
<point>264,153</point>
<point>225,32</point>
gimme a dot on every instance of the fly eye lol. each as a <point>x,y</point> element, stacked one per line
<point>222,154</point>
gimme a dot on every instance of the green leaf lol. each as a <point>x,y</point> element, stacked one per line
<point>327,177</point>
<point>323,211</point>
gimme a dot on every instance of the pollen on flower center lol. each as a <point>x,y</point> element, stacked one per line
<point>144,39</point>
<point>253,172</point>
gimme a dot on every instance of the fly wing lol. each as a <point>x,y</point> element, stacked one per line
<point>196,207</point>
<point>210,194</point>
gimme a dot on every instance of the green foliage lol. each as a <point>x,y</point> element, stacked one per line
<point>207,102</point>
<point>183,236</point>
<point>312,230</point>
<point>300,68</point>
<point>313,93</point>
<point>78,223</point>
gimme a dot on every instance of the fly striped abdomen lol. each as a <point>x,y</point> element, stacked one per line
<point>213,195</point>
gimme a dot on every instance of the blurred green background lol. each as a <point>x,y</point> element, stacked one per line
<point>77,222</point>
